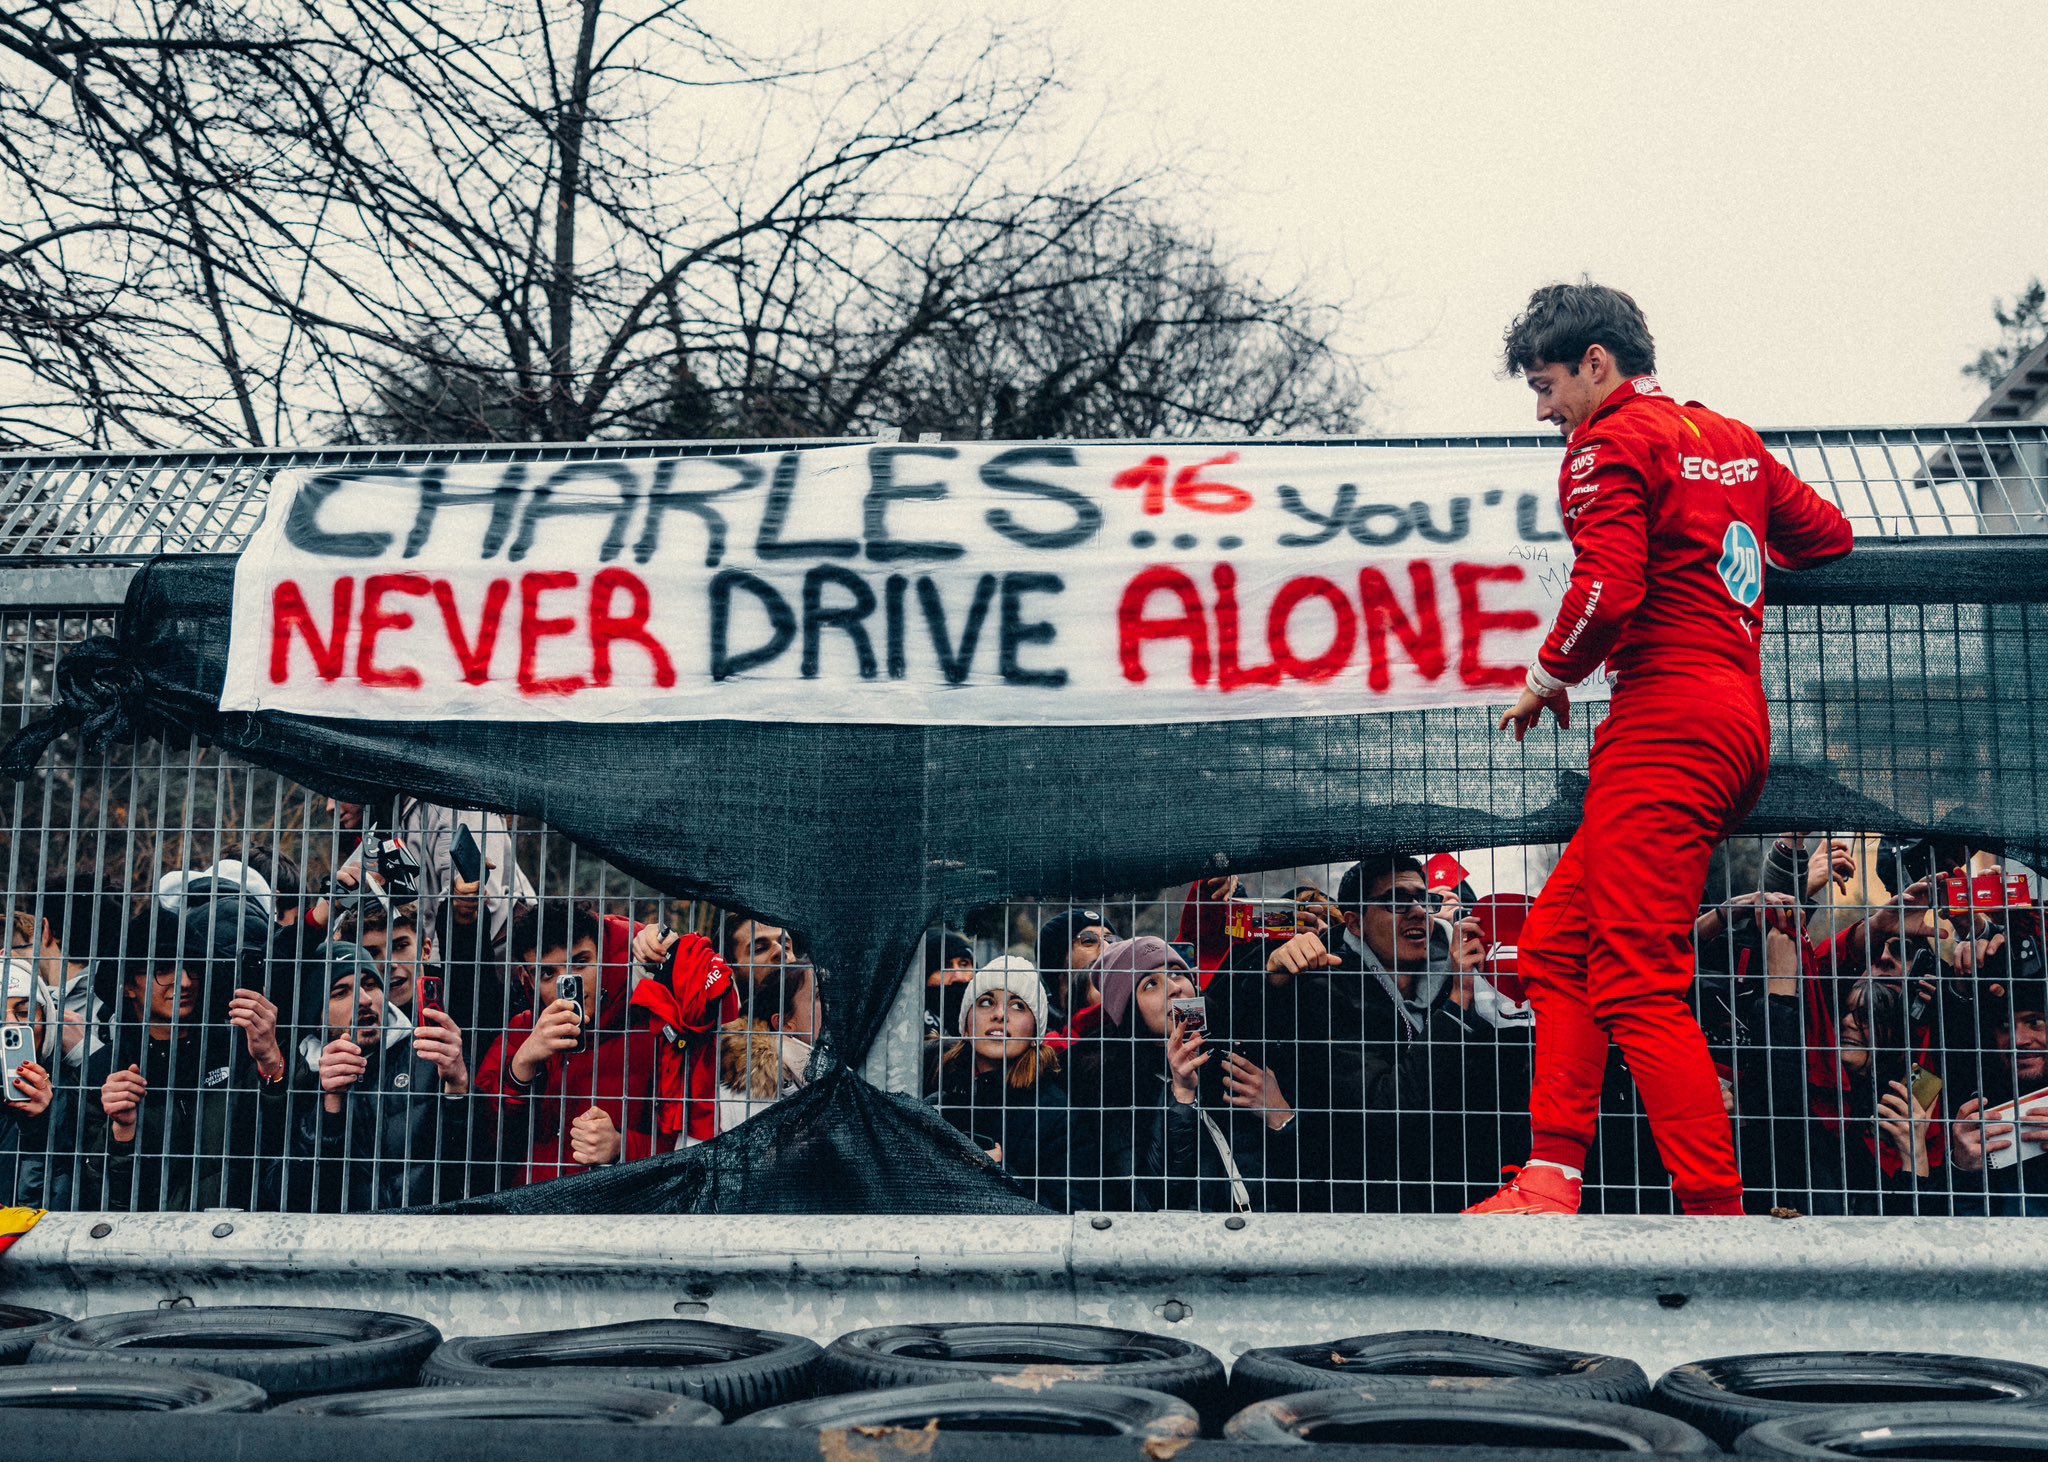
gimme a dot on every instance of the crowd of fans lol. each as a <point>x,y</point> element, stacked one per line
<point>424,1027</point>
<point>404,1035</point>
<point>1878,1012</point>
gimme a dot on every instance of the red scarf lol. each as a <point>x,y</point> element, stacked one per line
<point>687,1003</point>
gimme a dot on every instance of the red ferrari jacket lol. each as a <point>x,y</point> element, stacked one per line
<point>1084,1023</point>
<point>619,1070</point>
<point>687,1004</point>
<point>1673,512</point>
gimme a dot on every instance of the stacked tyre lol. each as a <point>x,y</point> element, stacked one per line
<point>116,1386</point>
<point>1399,1391</point>
<point>1069,1409</point>
<point>1465,1414</point>
<point>1039,1358</point>
<point>288,1351</point>
<point>1784,1399</point>
<point>1427,1358</point>
<point>1445,1388</point>
<point>1927,1430</point>
<point>21,1327</point>
<point>729,1367</point>
<point>527,1401</point>
<point>312,1361</point>
<point>1046,1379</point>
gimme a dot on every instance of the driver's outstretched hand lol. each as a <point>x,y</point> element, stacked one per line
<point>1527,710</point>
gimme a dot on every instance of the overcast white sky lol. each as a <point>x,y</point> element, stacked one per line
<point>1815,204</point>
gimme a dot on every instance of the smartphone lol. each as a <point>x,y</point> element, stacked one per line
<point>570,988</point>
<point>467,857</point>
<point>1926,1086</point>
<point>427,994</point>
<point>16,1051</point>
<point>1248,1052</point>
<point>1189,1011</point>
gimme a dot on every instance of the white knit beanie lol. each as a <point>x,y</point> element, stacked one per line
<point>1014,974</point>
<point>229,875</point>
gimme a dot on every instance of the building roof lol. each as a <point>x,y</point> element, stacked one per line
<point>2023,394</point>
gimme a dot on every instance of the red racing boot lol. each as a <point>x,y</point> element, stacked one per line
<point>1534,1190</point>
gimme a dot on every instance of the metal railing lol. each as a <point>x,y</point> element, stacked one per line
<point>1408,1097</point>
<point>124,507</point>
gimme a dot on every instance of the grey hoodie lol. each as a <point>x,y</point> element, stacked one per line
<point>1432,981</point>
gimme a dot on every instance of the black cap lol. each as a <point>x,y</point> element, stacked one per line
<point>942,947</point>
<point>1056,935</point>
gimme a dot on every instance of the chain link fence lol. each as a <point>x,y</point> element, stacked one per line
<point>1875,1004</point>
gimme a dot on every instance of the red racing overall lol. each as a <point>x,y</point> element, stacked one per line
<point>1673,512</point>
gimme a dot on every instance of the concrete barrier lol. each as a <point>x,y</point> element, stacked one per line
<point>1658,1290</point>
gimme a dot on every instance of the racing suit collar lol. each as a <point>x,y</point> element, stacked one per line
<point>1620,396</point>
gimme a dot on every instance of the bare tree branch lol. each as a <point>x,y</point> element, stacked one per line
<point>518,220</point>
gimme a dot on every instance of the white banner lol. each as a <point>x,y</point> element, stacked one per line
<point>963,584</point>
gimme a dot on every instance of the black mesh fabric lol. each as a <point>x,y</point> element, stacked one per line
<point>1905,689</point>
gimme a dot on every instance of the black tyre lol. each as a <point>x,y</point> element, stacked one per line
<point>535,1401</point>
<point>1077,1409</point>
<point>1461,1417</point>
<point>1983,1433</point>
<point>1726,1396</point>
<point>1041,1355</point>
<point>1420,1358</point>
<point>21,1327</point>
<point>107,1386</point>
<point>288,1350</point>
<point>730,1367</point>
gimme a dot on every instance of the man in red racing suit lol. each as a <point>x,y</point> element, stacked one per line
<point>1673,512</point>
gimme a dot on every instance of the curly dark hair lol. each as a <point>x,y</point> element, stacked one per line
<point>555,923</point>
<point>1564,321</point>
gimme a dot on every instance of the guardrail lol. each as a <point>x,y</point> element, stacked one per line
<point>1660,1291</point>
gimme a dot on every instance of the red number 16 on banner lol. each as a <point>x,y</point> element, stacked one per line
<point>1188,490</point>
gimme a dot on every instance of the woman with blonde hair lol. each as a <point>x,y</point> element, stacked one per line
<point>999,1083</point>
